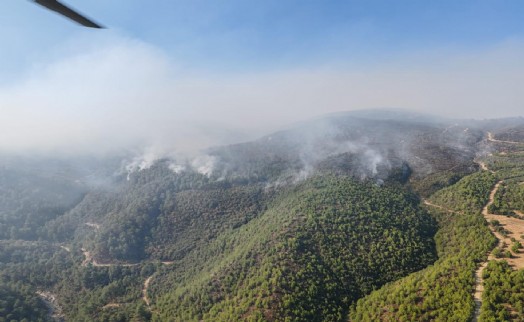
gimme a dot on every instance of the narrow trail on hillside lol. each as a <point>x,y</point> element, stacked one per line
<point>147,282</point>
<point>429,203</point>
<point>144,291</point>
<point>513,226</point>
<point>479,280</point>
<point>491,138</point>
<point>90,260</point>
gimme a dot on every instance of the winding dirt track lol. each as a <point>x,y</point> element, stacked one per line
<point>515,229</point>
<point>513,226</point>
<point>491,138</point>
<point>479,281</point>
<point>145,297</point>
<point>144,291</point>
<point>89,257</point>
<point>429,203</point>
<point>90,260</point>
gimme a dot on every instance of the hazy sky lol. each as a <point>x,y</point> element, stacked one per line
<point>185,74</point>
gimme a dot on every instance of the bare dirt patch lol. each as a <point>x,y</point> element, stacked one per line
<point>515,228</point>
<point>484,167</point>
<point>55,310</point>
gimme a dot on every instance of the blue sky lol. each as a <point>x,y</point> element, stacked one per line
<point>264,35</point>
<point>199,72</point>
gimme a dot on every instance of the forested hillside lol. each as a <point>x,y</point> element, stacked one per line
<point>442,291</point>
<point>351,216</point>
<point>307,257</point>
<point>29,200</point>
<point>468,261</point>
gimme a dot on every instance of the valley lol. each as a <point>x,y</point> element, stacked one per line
<point>375,219</point>
<point>262,161</point>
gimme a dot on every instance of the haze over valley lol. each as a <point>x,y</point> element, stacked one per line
<point>331,208</point>
<point>261,161</point>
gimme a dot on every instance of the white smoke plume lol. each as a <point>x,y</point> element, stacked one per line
<point>204,164</point>
<point>128,94</point>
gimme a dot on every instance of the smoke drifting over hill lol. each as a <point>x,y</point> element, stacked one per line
<point>126,94</point>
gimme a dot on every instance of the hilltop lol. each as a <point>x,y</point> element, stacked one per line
<point>303,224</point>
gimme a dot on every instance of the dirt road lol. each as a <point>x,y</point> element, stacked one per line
<point>90,260</point>
<point>144,291</point>
<point>429,203</point>
<point>491,138</point>
<point>479,281</point>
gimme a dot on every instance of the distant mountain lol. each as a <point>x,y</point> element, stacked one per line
<point>361,147</point>
<point>393,114</point>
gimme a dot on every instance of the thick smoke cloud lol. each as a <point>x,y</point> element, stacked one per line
<point>127,94</point>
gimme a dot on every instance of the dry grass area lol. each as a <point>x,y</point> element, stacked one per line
<point>515,227</point>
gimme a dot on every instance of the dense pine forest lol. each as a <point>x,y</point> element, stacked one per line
<point>357,217</point>
<point>441,292</point>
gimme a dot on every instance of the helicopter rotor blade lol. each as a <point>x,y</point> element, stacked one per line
<point>60,8</point>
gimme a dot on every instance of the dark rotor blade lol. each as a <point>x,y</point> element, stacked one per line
<point>68,12</point>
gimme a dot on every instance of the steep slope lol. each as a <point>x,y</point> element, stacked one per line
<point>443,290</point>
<point>440,292</point>
<point>357,146</point>
<point>297,225</point>
<point>315,250</point>
<point>29,200</point>
<point>162,214</point>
